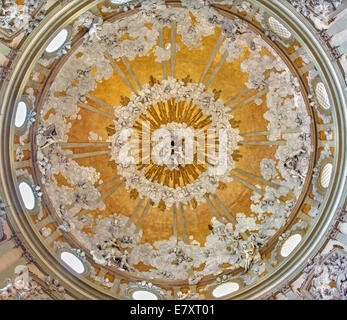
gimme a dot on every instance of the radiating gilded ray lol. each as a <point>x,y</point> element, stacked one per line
<point>111,130</point>
<point>173,48</point>
<point>193,203</point>
<point>90,108</point>
<point>167,179</point>
<point>203,123</point>
<point>132,73</point>
<point>172,110</point>
<point>248,185</point>
<point>187,111</point>
<point>184,226</point>
<point>251,99</point>
<point>158,174</point>
<point>102,198</point>
<point>120,72</point>
<point>196,117</point>
<point>180,108</point>
<point>151,110</point>
<point>229,102</point>
<point>258,179</point>
<point>150,171</point>
<point>229,216</point>
<point>185,177</point>
<point>99,101</point>
<point>95,144</point>
<point>192,170</point>
<point>176,178</point>
<point>162,45</point>
<point>105,184</point>
<point>224,209</point>
<point>263,181</point>
<point>212,56</point>
<point>214,210</point>
<point>264,143</point>
<point>175,221</point>
<point>133,215</point>
<point>267,133</point>
<point>87,154</point>
<point>139,126</point>
<point>218,67</point>
<point>161,114</point>
<point>144,212</point>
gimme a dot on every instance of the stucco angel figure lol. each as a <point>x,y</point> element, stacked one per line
<point>321,284</point>
<point>110,252</point>
<point>187,296</point>
<point>8,291</point>
<point>22,280</point>
<point>9,12</point>
<point>252,256</point>
<point>50,136</point>
<point>19,288</point>
<point>291,164</point>
<point>93,26</point>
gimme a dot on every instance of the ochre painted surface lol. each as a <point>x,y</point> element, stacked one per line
<point>157,224</point>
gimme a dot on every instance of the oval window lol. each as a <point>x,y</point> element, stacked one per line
<point>21,114</point>
<point>58,41</point>
<point>144,295</point>
<point>290,244</point>
<point>279,28</point>
<point>326,175</point>
<point>27,195</point>
<point>225,288</point>
<point>322,96</point>
<point>73,262</point>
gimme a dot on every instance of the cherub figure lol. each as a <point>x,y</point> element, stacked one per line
<point>252,255</point>
<point>93,29</point>
<point>50,136</point>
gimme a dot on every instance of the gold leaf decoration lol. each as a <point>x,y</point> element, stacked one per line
<point>124,101</point>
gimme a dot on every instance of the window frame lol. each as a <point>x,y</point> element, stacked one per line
<point>52,54</point>
<point>35,210</point>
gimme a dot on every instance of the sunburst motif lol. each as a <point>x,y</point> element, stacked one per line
<point>162,114</point>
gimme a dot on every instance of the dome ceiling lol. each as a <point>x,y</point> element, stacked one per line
<point>173,70</point>
<point>172,147</point>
